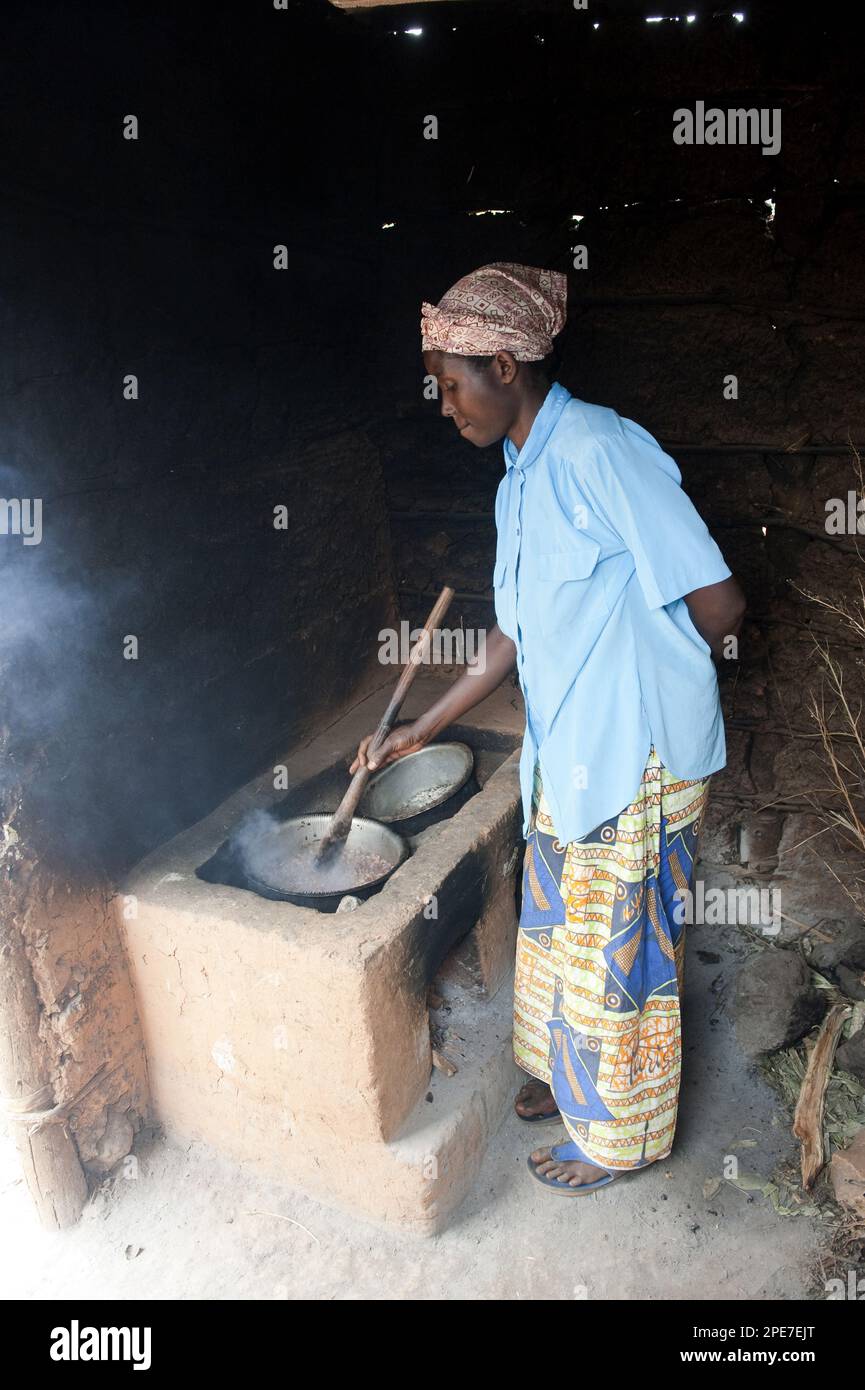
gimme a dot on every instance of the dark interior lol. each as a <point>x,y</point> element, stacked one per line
<point>302,388</point>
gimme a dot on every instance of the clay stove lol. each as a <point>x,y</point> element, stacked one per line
<point>299,1041</point>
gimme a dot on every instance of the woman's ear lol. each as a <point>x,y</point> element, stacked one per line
<point>506,366</point>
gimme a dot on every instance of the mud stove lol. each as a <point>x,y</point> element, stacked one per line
<point>298,1041</point>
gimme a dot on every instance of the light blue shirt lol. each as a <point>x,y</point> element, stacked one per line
<point>596,545</point>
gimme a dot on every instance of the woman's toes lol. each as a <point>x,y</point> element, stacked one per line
<point>541,1156</point>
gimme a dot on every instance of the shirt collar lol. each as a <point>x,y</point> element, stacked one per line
<point>542,427</point>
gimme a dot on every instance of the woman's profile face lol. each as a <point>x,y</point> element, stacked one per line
<point>478,401</point>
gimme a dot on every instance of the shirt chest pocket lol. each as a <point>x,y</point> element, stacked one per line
<point>564,584</point>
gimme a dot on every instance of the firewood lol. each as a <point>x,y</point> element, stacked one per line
<point>443,1063</point>
<point>47,1149</point>
<point>808,1119</point>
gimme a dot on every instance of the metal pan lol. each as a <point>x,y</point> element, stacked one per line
<point>279,862</point>
<point>411,786</point>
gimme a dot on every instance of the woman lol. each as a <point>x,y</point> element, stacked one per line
<point>611,598</point>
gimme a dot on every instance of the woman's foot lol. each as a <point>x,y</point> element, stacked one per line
<point>535,1098</point>
<point>570,1171</point>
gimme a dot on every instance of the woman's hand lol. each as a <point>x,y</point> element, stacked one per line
<point>499,656</point>
<point>408,738</point>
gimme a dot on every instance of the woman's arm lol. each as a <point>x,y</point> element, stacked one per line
<point>717,612</point>
<point>481,677</point>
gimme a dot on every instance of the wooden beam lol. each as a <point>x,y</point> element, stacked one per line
<point>49,1157</point>
<point>380,4</point>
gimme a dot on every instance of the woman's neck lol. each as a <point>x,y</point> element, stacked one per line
<point>529,407</point>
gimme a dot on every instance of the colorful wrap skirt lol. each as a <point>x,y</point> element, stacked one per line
<point>600,967</point>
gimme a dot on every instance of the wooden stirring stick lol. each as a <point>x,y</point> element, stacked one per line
<point>340,825</point>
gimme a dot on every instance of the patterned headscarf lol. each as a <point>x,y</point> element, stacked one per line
<point>503,305</point>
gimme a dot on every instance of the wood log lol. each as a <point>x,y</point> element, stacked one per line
<point>443,1063</point>
<point>49,1156</point>
<point>808,1119</point>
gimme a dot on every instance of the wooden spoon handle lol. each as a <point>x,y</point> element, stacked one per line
<point>342,816</point>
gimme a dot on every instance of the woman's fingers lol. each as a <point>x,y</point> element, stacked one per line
<point>382,754</point>
<point>387,752</point>
<point>396,745</point>
<point>360,755</point>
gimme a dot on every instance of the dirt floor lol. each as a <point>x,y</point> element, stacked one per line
<point>191,1225</point>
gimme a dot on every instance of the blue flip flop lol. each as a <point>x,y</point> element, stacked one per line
<point>559,1152</point>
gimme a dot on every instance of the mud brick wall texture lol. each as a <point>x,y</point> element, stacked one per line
<point>302,388</point>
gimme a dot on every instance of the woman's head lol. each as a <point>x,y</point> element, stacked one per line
<point>489,343</point>
<point>485,395</point>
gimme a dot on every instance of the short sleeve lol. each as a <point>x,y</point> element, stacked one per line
<point>637,490</point>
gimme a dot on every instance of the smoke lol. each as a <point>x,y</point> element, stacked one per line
<point>256,845</point>
<point>45,620</point>
<point>46,626</point>
<point>65,689</point>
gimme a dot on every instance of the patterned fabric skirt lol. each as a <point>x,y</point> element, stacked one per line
<point>600,966</point>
